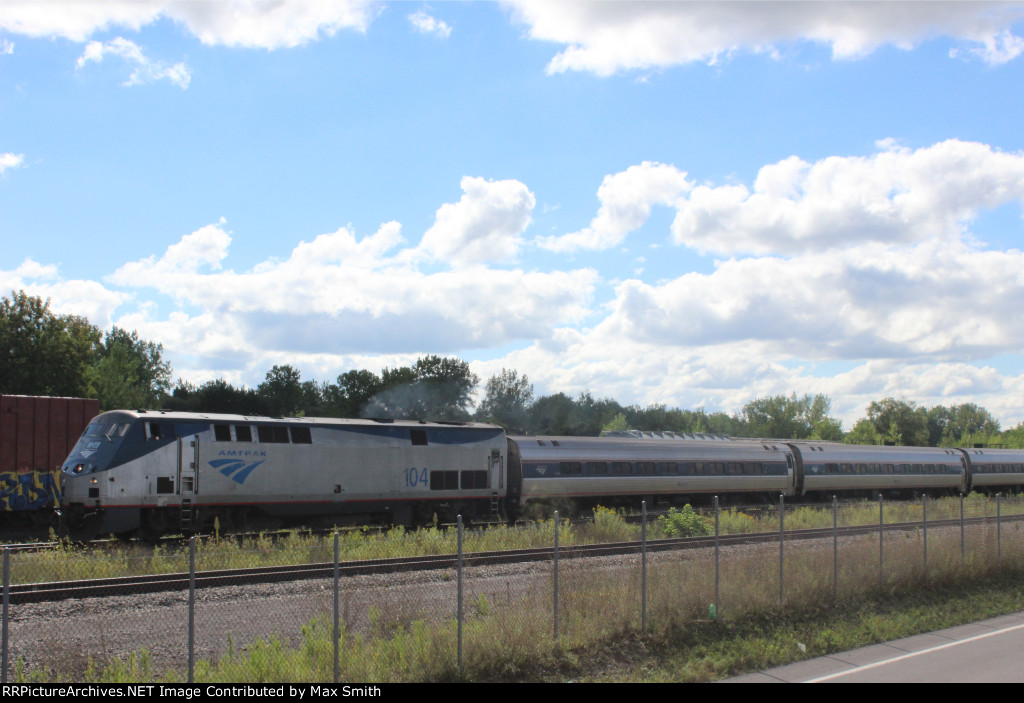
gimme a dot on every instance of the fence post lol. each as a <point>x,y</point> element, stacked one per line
<point>7,607</point>
<point>999,530</point>
<point>881,542</point>
<point>459,573</point>
<point>191,608</point>
<point>835,548</point>
<point>643,566</point>
<point>782,547</point>
<point>963,549</point>
<point>924,504</point>
<point>556,577</point>
<point>337,613</point>
<point>718,564</point>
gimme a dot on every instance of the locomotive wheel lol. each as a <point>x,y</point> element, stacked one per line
<point>154,525</point>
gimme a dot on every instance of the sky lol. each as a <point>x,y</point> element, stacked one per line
<point>694,204</point>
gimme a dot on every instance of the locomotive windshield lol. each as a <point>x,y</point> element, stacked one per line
<point>98,444</point>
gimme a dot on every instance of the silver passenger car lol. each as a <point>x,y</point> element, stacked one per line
<point>607,470</point>
<point>829,467</point>
<point>996,469</point>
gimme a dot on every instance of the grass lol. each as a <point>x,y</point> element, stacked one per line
<point>710,651</point>
<point>71,562</point>
<point>696,652</point>
<point>509,634</point>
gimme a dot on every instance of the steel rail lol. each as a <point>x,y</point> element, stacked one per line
<point>130,585</point>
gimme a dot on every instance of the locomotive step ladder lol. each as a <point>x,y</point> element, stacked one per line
<point>185,521</point>
<point>495,504</point>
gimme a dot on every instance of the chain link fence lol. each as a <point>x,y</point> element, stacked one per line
<point>456,603</point>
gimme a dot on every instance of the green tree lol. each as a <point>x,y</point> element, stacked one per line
<point>617,424</point>
<point>130,372</point>
<point>723,424</point>
<point>352,392</point>
<point>864,432</point>
<point>507,399</point>
<point>448,385</point>
<point>433,388</point>
<point>550,414</point>
<point>828,429</point>
<point>216,396</point>
<point>789,417</point>
<point>588,415</point>
<point>282,391</point>
<point>960,423</point>
<point>900,422</point>
<point>42,353</point>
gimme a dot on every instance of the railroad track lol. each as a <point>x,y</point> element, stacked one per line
<point>40,592</point>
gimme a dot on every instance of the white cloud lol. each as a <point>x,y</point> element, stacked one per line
<point>726,376</point>
<point>206,247</point>
<point>239,23</point>
<point>606,37</point>
<point>356,296</point>
<point>486,224</point>
<point>998,49</point>
<point>89,299</point>
<point>909,305</point>
<point>897,196</point>
<point>9,160</point>
<point>425,24</point>
<point>76,21</point>
<point>626,200</point>
<point>145,70</point>
<point>935,300</point>
<point>6,47</point>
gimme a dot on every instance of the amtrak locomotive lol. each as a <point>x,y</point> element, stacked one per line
<point>153,472</point>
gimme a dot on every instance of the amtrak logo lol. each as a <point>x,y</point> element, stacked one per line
<point>236,469</point>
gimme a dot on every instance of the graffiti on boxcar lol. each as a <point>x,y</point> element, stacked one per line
<point>28,491</point>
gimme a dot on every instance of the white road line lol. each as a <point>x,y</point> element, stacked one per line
<point>913,654</point>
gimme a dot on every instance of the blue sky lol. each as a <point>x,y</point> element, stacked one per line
<point>694,204</point>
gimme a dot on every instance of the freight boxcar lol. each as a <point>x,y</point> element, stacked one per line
<point>36,435</point>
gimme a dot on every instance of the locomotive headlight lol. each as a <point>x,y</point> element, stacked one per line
<point>79,468</point>
<point>92,480</point>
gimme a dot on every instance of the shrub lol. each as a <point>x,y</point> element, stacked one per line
<point>683,523</point>
<point>610,526</point>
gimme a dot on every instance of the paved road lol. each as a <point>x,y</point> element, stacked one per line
<point>989,651</point>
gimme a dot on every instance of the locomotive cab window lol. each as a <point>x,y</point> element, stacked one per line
<point>273,434</point>
<point>301,435</point>
<point>418,437</point>
<point>222,433</point>
<point>243,433</point>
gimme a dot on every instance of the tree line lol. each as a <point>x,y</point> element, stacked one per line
<point>42,353</point>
